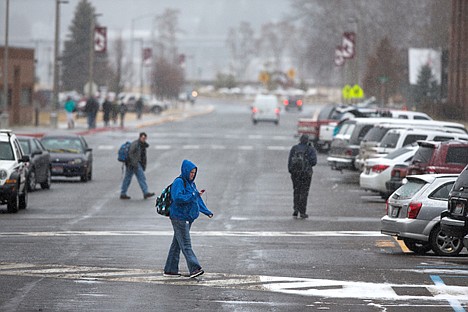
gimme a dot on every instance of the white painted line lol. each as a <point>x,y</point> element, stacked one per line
<point>245,147</point>
<point>278,148</point>
<point>106,147</point>
<point>188,147</point>
<point>162,147</point>
<point>201,233</point>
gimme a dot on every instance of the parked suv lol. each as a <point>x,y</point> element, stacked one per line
<point>13,173</point>
<point>455,219</point>
<point>439,157</point>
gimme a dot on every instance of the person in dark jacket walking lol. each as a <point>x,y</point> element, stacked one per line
<point>91,109</point>
<point>302,158</point>
<point>106,109</point>
<point>184,210</point>
<point>136,164</point>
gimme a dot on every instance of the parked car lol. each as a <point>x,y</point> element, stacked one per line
<point>293,102</point>
<point>455,219</point>
<point>439,157</point>
<point>13,173</point>
<point>372,144</point>
<point>413,214</point>
<point>265,108</point>
<point>70,156</point>
<point>39,162</point>
<point>377,170</point>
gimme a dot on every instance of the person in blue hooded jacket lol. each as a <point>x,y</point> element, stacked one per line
<point>185,208</point>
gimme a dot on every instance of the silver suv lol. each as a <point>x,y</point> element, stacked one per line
<point>13,172</point>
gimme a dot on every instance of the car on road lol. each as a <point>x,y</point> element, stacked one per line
<point>265,108</point>
<point>293,102</point>
<point>39,162</point>
<point>455,219</point>
<point>13,172</point>
<point>70,156</point>
<point>413,214</point>
<point>377,171</point>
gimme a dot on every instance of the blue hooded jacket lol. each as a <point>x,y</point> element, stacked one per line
<point>186,200</point>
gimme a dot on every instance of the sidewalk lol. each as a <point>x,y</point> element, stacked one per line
<point>183,111</point>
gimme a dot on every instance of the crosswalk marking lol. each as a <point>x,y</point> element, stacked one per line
<point>311,287</point>
<point>203,147</point>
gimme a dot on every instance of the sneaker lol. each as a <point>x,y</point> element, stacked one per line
<point>171,274</point>
<point>304,215</point>
<point>148,195</point>
<point>123,196</point>
<point>196,273</point>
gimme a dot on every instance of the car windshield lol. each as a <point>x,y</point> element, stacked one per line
<point>423,155</point>
<point>63,145</point>
<point>462,180</point>
<point>6,152</point>
<point>25,146</point>
<point>375,134</point>
<point>409,189</point>
<point>397,153</point>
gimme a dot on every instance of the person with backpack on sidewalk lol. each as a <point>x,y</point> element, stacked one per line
<point>135,164</point>
<point>302,158</point>
<point>185,208</point>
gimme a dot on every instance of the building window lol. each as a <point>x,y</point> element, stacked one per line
<point>26,97</point>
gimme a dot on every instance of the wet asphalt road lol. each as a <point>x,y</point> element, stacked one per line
<point>79,248</point>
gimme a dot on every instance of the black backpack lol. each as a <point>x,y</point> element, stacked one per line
<point>299,162</point>
<point>164,201</point>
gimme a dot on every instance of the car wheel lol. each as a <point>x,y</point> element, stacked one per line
<point>417,247</point>
<point>32,181</point>
<point>156,110</point>
<point>443,244</point>
<point>90,174</point>
<point>23,199</point>
<point>84,177</point>
<point>46,184</point>
<point>12,205</point>
<point>276,122</point>
<point>254,122</point>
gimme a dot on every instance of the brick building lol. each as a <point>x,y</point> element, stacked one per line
<point>458,62</point>
<point>20,84</point>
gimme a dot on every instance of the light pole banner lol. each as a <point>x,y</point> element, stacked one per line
<point>100,39</point>
<point>349,42</point>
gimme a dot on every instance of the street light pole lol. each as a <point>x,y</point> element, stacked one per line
<point>4,105</point>
<point>91,55</point>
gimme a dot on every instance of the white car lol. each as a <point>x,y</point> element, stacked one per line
<point>377,171</point>
<point>265,108</point>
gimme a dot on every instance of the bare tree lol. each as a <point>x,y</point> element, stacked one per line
<point>274,41</point>
<point>242,45</point>
<point>121,69</point>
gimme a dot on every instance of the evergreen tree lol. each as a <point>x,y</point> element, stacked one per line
<point>426,89</point>
<point>75,59</point>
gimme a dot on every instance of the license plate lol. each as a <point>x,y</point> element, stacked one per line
<point>458,209</point>
<point>57,169</point>
<point>395,212</point>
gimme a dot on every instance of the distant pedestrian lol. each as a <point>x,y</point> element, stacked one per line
<point>185,209</point>
<point>115,111</point>
<point>136,165</point>
<point>70,109</point>
<point>106,109</point>
<point>139,107</point>
<point>91,110</point>
<point>302,158</point>
<point>122,111</point>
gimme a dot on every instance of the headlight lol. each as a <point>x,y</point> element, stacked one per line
<point>3,174</point>
<point>76,161</point>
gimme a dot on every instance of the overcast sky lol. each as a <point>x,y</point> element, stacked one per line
<point>204,23</point>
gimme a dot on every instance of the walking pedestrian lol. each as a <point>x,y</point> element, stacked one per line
<point>185,209</point>
<point>139,107</point>
<point>106,109</point>
<point>136,165</point>
<point>302,158</point>
<point>122,110</point>
<point>115,111</point>
<point>91,109</point>
<point>70,108</point>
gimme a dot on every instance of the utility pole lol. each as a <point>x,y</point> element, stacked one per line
<point>4,105</point>
<point>91,55</point>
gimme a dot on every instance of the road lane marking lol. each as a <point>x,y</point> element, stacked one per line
<point>200,233</point>
<point>454,303</point>
<point>309,287</point>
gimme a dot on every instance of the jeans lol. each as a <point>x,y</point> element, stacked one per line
<point>140,175</point>
<point>301,184</point>
<point>181,242</point>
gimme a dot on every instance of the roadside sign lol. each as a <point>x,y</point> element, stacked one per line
<point>348,43</point>
<point>357,92</point>
<point>346,92</point>
<point>339,58</point>
<point>100,39</point>
<point>291,73</point>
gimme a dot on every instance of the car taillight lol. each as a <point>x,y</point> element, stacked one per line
<point>413,210</point>
<point>285,102</point>
<point>379,168</point>
<point>299,102</point>
<point>349,152</point>
<point>386,207</point>
<point>277,111</point>
<point>254,110</point>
